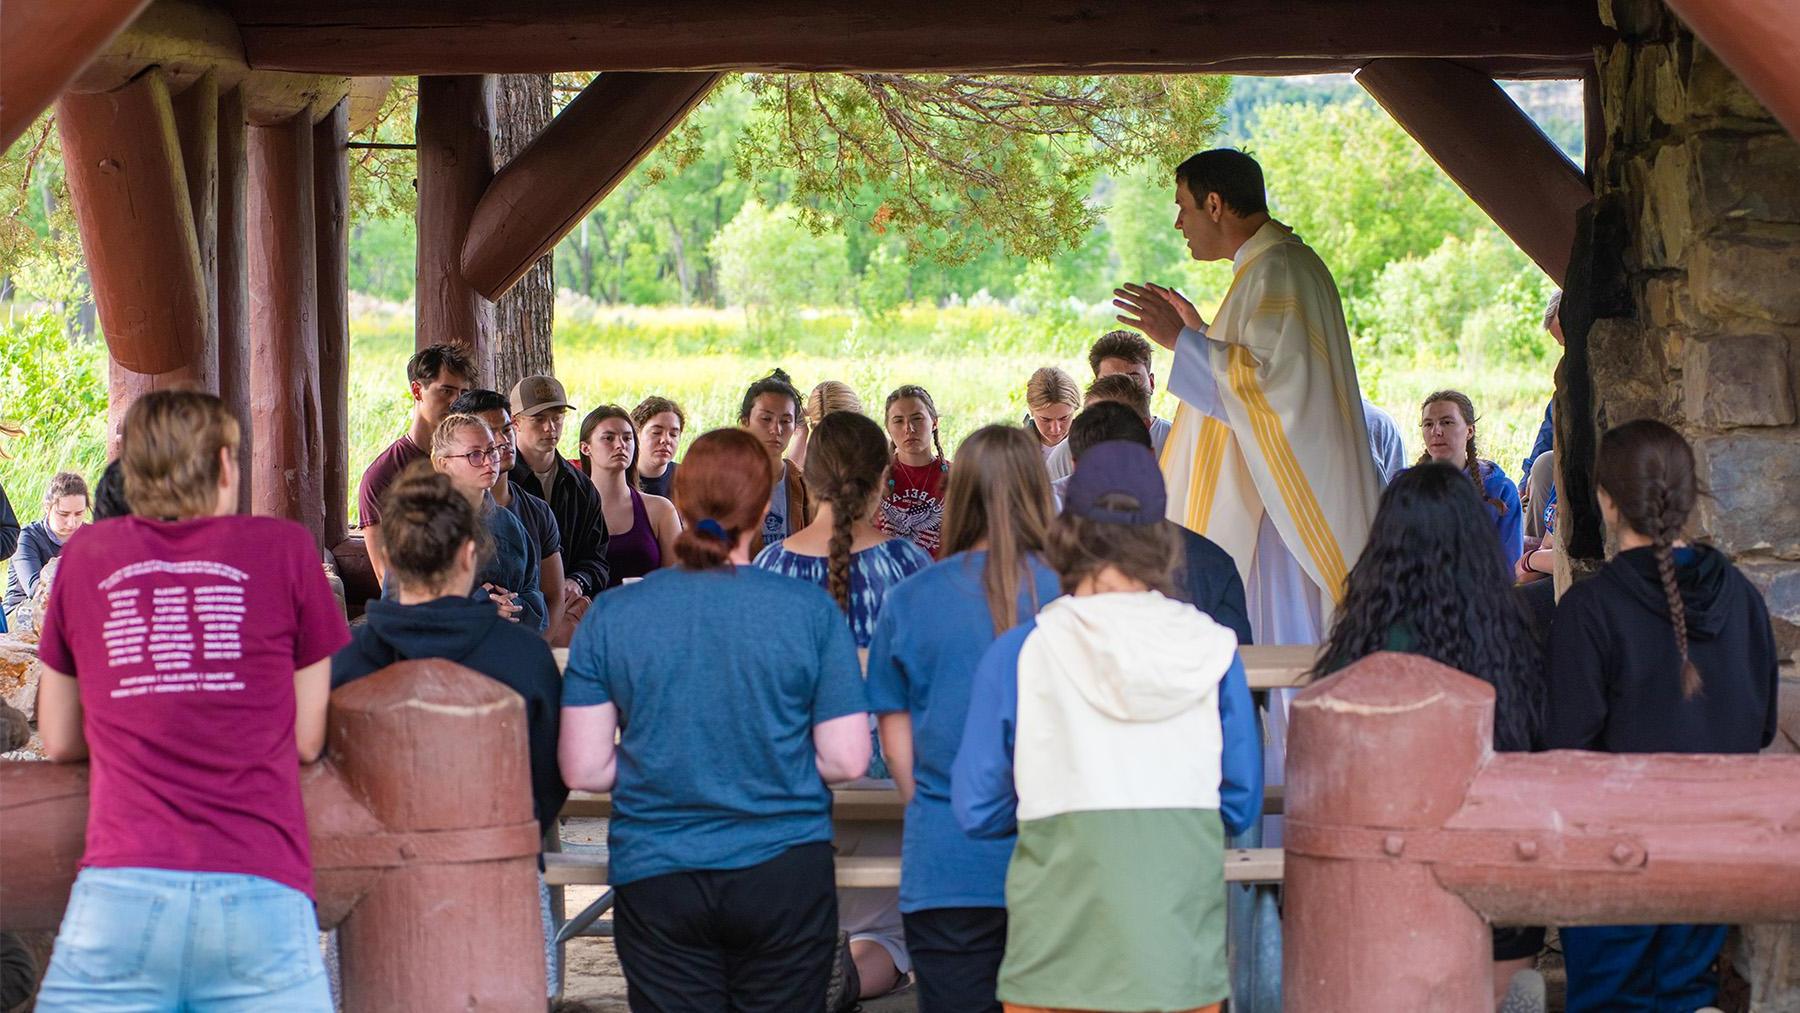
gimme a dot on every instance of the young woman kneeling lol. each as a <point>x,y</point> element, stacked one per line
<point>1120,860</point>
<point>716,701</point>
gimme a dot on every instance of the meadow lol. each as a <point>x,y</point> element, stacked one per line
<point>973,358</point>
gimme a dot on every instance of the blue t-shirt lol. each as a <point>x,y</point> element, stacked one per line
<point>931,634</point>
<point>719,677</point>
<point>873,572</point>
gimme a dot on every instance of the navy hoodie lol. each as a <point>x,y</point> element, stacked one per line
<point>473,635</point>
<point>1615,673</point>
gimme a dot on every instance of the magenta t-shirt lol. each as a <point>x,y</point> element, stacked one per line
<point>184,637</point>
<point>381,473</point>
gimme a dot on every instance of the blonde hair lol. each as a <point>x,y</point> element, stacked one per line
<point>830,396</point>
<point>1049,386</point>
<point>170,453</point>
<point>443,438</point>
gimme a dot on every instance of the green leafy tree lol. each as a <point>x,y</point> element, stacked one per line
<point>1357,188</point>
<point>1470,301</point>
<point>772,265</point>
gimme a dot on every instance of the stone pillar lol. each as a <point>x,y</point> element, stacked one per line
<point>1707,186</point>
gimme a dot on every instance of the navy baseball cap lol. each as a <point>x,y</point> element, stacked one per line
<point>1117,467</point>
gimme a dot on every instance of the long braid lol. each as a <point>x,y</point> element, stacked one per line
<point>844,465</point>
<point>1648,471</point>
<point>1474,469</point>
<point>1662,546</point>
<point>846,506</point>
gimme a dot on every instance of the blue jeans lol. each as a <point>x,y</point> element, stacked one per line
<point>154,939</point>
<point>1642,968</point>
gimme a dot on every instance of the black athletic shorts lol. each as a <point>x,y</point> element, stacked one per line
<point>956,955</point>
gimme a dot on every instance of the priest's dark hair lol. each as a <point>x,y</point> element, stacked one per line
<point>1231,174</point>
<point>1432,582</point>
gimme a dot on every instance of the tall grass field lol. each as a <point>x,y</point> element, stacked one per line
<point>973,358</point>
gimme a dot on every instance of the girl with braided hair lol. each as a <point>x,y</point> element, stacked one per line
<point>1447,425</point>
<point>843,551</point>
<point>1667,649</point>
<point>913,504</point>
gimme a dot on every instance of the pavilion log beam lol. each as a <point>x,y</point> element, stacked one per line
<point>542,36</point>
<point>188,40</point>
<point>1491,149</point>
<point>196,123</point>
<point>122,156</point>
<point>456,164</point>
<point>234,282</point>
<point>287,468</point>
<point>577,160</point>
<point>331,220</point>
<point>44,45</point>
<point>1757,39</point>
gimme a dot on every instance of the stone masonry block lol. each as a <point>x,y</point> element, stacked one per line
<point>1739,380</point>
<point>1750,273</point>
<point>1779,583</point>
<point>1714,91</point>
<point>1752,478</point>
<point>1750,176</point>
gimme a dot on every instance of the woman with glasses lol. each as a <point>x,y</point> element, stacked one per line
<point>463,450</point>
<point>643,526</point>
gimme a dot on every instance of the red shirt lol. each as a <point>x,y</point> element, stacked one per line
<point>184,637</point>
<point>381,473</point>
<point>914,505</point>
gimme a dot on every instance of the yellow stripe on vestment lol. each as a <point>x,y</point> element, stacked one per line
<point>1203,484</point>
<point>1308,517</point>
<point>1281,306</point>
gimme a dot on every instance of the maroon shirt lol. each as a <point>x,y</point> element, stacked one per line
<point>184,637</point>
<point>381,473</point>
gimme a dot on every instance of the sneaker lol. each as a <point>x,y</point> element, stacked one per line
<point>845,989</point>
<point>1525,994</point>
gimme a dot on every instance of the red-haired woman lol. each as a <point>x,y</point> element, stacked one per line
<point>736,698</point>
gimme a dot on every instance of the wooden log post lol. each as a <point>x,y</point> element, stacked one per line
<point>1379,734</point>
<point>234,283</point>
<point>123,158</point>
<point>331,217</point>
<point>423,842</point>
<point>456,163</point>
<point>1490,148</point>
<point>44,45</point>
<point>196,124</point>
<point>286,475</point>
<point>1407,835</point>
<point>578,159</point>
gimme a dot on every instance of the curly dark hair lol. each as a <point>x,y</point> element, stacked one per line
<point>1433,571</point>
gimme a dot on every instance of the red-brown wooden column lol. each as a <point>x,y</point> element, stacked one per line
<point>234,282</point>
<point>44,45</point>
<point>196,113</point>
<point>331,199</point>
<point>456,163</point>
<point>286,469</point>
<point>123,157</point>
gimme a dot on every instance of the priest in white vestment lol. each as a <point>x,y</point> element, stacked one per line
<point>1269,453</point>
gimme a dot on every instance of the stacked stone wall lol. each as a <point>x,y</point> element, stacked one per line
<point>1707,186</point>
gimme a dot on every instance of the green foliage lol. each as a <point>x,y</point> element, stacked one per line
<point>381,179</point>
<point>957,162</point>
<point>1356,188</point>
<point>771,265</point>
<point>55,388</point>
<point>1473,301</point>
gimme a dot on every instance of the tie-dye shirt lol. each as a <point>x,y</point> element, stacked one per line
<point>873,571</point>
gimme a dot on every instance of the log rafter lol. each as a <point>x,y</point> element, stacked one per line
<point>1491,149</point>
<point>571,165</point>
<point>1058,36</point>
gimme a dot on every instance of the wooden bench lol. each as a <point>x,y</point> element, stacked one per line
<point>1242,865</point>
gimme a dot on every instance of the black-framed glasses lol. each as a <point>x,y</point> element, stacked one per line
<point>477,458</point>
